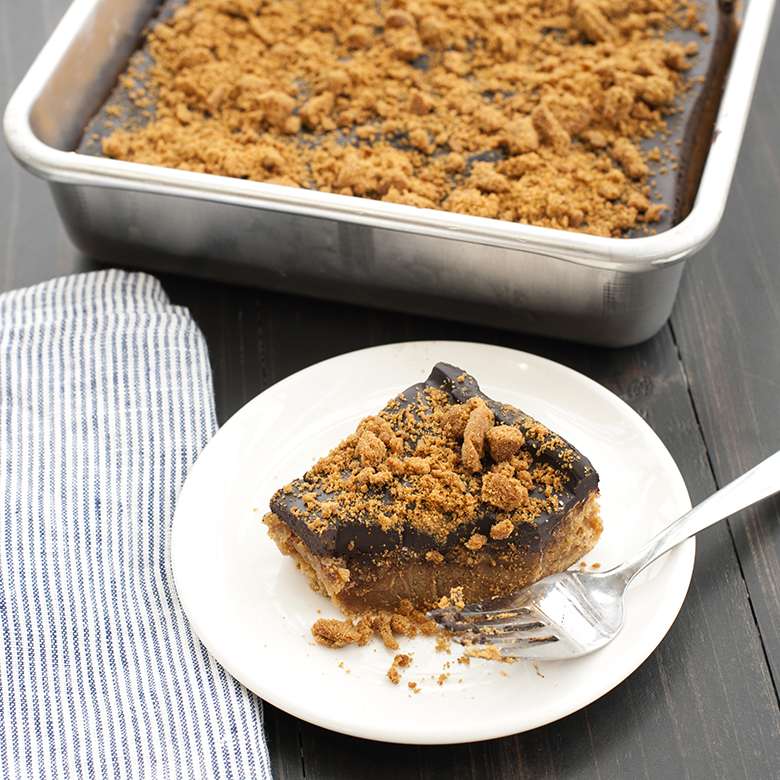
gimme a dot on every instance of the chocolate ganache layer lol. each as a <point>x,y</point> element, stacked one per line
<point>441,466</point>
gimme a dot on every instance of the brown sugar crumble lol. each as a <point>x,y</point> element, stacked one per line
<point>528,111</point>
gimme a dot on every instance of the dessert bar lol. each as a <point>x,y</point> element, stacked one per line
<point>444,488</point>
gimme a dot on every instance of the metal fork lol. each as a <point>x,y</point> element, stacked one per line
<point>576,612</point>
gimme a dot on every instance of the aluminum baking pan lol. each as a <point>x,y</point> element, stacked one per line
<point>606,291</point>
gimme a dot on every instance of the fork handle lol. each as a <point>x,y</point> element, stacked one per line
<point>760,482</point>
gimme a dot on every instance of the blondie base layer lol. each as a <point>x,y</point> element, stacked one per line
<point>444,488</point>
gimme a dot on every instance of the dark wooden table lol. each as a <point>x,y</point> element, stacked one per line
<point>705,704</point>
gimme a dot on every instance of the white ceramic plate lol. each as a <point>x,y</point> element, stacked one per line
<point>253,610</point>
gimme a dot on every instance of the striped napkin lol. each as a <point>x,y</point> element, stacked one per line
<point>105,402</point>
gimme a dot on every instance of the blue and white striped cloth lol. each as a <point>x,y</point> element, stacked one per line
<point>105,402</point>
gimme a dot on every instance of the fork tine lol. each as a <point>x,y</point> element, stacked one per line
<point>504,632</point>
<point>506,647</point>
<point>509,601</point>
<point>509,641</point>
<point>508,624</point>
<point>475,612</point>
<point>474,621</point>
<point>504,628</point>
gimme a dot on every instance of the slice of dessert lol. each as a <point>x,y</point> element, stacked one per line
<point>444,488</point>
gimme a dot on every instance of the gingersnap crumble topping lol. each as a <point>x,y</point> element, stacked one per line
<point>435,470</point>
<point>530,111</point>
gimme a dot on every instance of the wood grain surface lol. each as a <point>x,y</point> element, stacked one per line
<point>705,704</point>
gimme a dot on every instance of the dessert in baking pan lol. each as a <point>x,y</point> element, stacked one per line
<point>443,489</point>
<point>586,115</point>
